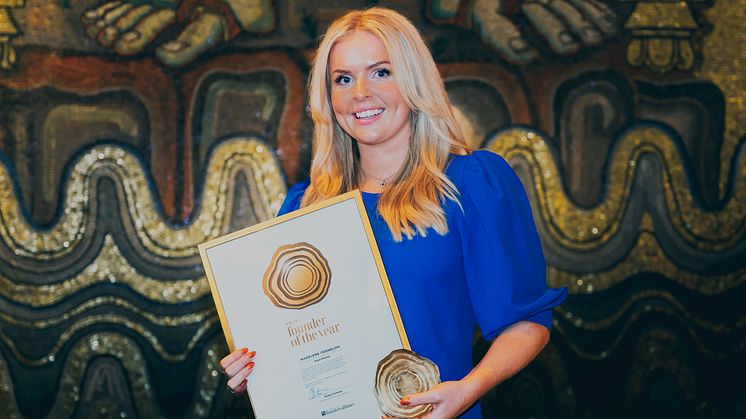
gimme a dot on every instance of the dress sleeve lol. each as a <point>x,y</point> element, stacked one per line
<point>293,198</point>
<point>503,260</point>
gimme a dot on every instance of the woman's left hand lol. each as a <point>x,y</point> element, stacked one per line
<point>449,399</point>
<point>509,353</point>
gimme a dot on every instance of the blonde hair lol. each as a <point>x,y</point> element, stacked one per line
<point>414,201</point>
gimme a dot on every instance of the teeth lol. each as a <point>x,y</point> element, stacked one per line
<point>367,114</point>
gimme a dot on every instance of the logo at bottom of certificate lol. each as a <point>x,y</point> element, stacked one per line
<point>298,276</point>
<point>335,409</point>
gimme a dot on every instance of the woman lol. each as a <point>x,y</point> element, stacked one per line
<point>454,227</point>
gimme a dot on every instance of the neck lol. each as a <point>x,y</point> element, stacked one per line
<point>378,167</point>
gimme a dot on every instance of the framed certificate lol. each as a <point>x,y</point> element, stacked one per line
<point>309,293</point>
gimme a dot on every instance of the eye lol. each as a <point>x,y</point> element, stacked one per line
<point>382,73</point>
<point>343,79</point>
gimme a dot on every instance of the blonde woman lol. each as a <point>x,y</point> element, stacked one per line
<point>454,227</point>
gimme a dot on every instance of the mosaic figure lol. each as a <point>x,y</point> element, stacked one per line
<point>128,27</point>
<point>566,25</point>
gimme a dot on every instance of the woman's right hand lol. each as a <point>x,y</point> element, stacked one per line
<point>237,366</point>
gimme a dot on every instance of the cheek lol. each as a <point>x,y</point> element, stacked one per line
<point>392,95</point>
<point>338,101</point>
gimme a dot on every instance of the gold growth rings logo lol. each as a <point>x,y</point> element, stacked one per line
<point>297,277</point>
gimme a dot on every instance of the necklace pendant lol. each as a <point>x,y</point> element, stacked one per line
<point>383,184</point>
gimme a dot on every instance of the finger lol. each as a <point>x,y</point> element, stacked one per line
<point>551,28</point>
<point>241,388</point>
<point>240,363</point>
<point>416,399</point>
<point>576,22</point>
<point>232,357</point>
<point>240,377</point>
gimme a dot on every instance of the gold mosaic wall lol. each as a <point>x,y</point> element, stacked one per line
<point>123,146</point>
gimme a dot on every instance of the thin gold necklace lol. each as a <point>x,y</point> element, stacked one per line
<point>381,182</point>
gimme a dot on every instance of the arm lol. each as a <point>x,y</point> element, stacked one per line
<point>509,353</point>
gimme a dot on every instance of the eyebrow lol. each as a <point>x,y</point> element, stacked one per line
<point>367,68</point>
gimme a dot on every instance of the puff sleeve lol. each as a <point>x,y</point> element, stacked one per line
<point>503,261</point>
<point>293,198</point>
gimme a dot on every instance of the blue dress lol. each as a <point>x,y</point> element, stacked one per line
<point>487,271</point>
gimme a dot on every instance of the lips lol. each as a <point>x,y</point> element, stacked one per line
<point>368,113</point>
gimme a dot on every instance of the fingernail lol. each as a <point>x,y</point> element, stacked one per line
<point>404,401</point>
<point>244,350</point>
<point>252,353</point>
<point>250,365</point>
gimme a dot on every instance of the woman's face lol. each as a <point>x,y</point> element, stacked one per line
<point>365,95</point>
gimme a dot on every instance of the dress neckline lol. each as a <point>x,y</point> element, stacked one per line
<point>371,194</point>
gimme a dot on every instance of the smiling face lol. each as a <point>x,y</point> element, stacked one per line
<point>365,95</point>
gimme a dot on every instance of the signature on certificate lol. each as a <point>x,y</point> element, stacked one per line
<point>325,392</point>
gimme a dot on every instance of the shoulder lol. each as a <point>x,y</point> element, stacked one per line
<point>479,170</point>
<point>294,196</point>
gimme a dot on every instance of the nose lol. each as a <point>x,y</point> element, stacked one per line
<point>362,90</point>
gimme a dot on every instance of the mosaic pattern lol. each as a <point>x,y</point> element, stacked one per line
<point>120,155</point>
<point>114,306</point>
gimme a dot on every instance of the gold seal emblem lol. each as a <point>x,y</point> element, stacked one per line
<point>399,374</point>
<point>297,277</point>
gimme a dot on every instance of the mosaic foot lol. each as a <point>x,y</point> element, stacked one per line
<point>206,30</point>
<point>127,27</point>
<point>567,26</point>
<point>500,33</point>
<point>144,32</point>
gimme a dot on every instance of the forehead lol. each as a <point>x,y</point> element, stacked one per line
<point>358,48</point>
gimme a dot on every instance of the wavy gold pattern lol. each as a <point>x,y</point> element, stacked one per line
<point>155,234</point>
<point>7,398</point>
<point>607,321</point>
<point>622,334</point>
<point>131,358</point>
<point>108,300</point>
<point>645,256</point>
<point>112,267</point>
<point>586,229</point>
<point>723,58</point>
<point>110,319</point>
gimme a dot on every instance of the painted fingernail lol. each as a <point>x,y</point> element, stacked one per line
<point>404,401</point>
<point>244,350</point>
<point>250,365</point>
<point>252,353</point>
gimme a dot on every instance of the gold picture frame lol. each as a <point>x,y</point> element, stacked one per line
<point>308,291</point>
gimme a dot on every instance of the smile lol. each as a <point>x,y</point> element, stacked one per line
<point>367,114</point>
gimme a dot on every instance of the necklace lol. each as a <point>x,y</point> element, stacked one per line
<point>381,182</point>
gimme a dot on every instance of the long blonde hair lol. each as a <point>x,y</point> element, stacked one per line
<point>414,201</point>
